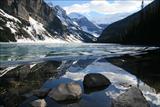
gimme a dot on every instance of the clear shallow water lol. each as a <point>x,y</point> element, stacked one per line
<point>83,59</point>
<point>120,79</point>
<point>13,53</point>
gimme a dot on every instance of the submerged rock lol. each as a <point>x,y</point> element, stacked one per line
<point>39,103</point>
<point>132,98</point>
<point>66,92</point>
<point>41,93</point>
<point>95,81</point>
<point>21,80</point>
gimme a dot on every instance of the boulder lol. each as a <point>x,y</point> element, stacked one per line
<point>39,103</point>
<point>131,98</point>
<point>95,80</point>
<point>66,92</point>
<point>41,93</point>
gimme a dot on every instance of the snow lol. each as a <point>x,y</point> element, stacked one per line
<point>9,16</point>
<point>36,31</point>
<point>1,28</point>
<point>78,16</point>
<point>61,15</point>
<point>71,38</point>
<point>84,28</point>
<point>11,23</point>
<point>75,23</point>
<point>1,19</point>
<point>74,28</point>
<point>3,72</point>
<point>47,40</point>
<point>63,20</point>
<point>32,65</point>
<point>37,28</point>
<point>12,27</point>
<point>67,21</point>
<point>75,15</point>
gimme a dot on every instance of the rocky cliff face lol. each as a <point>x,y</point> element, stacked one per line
<point>139,28</point>
<point>41,12</point>
<point>37,9</point>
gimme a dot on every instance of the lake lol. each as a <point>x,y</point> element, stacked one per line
<point>71,62</point>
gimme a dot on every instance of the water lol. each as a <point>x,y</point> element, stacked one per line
<point>14,54</point>
<point>77,60</point>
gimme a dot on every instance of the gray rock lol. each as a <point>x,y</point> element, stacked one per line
<point>95,80</point>
<point>66,92</point>
<point>132,98</point>
<point>39,103</point>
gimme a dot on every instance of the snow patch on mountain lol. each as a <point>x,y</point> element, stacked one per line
<point>12,27</point>
<point>73,29</point>
<point>86,25</point>
<point>61,14</point>
<point>84,28</point>
<point>31,32</point>
<point>9,16</point>
<point>75,15</point>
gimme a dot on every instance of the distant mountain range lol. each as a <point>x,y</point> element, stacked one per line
<point>36,21</point>
<point>139,28</point>
<point>101,18</point>
<point>87,25</point>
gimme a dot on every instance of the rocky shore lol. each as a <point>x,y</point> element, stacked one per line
<point>23,79</point>
<point>71,93</point>
<point>82,83</point>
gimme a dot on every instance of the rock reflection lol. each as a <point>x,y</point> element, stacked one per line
<point>16,84</point>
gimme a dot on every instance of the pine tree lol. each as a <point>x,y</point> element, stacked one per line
<point>142,5</point>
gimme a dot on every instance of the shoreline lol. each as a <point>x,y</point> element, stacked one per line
<point>27,78</point>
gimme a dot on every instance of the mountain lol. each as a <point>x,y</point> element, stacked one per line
<point>71,27</point>
<point>139,28</point>
<point>35,20</point>
<point>75,15</point>
<point>86,24</point>
<point>13,29</point>
<point>103,26</point>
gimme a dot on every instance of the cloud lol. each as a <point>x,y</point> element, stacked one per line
<point>106,7</point>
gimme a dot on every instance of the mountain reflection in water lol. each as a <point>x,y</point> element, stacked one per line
<point>45,66</point>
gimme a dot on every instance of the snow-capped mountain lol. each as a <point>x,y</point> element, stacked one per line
<point>71,26</point>
<point>20,30</point>
<point>86,24</point>
<point>36,21</point>
<point>76,16</point>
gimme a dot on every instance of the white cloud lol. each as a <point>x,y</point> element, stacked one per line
<point>106,7</point>
<point>106,11</point>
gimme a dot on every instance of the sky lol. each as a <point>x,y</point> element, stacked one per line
<point>99,11</point>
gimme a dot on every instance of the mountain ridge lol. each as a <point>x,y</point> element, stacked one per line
<point>42,13</point>
<point>139,28</point>
<point>86,24</point>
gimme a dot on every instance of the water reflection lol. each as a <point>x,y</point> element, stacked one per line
<point>16,84</point>
<point>72,63</point>
<point>121,80</point>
